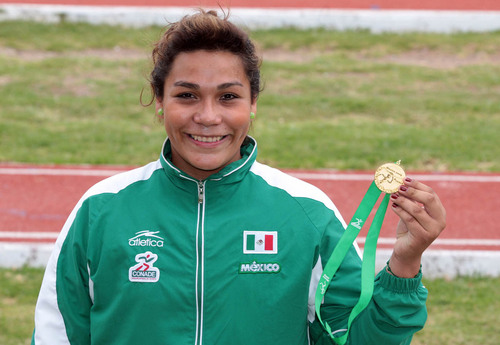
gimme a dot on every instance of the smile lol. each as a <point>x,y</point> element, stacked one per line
<point>207,139</point>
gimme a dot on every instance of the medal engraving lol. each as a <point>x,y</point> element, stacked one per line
<point>389,177</point>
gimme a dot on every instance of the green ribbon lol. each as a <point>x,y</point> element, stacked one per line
<point>368,265</point>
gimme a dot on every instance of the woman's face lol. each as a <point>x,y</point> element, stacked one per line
<point>206,105</point>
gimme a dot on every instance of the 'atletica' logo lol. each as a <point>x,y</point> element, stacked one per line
<point>146,238</point>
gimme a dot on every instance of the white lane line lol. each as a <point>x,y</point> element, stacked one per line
<point>21,235</point>
<point>39,235</point>
<point>59,172</point>
<point>444,241</point>
<point>420,177</point>
<point>396,20</point>
<point>302,175</point>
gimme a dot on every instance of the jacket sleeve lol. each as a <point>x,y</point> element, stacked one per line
<point>62,313</point>
<point>396,311</point>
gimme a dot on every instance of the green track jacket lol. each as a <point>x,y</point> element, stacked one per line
<point>153,256</point>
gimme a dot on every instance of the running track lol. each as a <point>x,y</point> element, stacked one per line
<point>35,200</point>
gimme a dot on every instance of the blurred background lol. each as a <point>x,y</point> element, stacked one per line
<point>348,85</point>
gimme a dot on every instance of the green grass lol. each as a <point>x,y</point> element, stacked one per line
<point>461,311</point>
<point>18,293</point>
<point>335,100</point>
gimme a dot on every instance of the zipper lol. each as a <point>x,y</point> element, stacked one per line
<point>200,269</point>
<point>201,187</point>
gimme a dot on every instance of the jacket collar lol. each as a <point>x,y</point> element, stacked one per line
<point>232,173</point>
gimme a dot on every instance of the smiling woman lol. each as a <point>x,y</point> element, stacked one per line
<point>206,81</point>
<point>206,105</point>
<point>208,246</point>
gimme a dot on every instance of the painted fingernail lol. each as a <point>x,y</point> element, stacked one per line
<point>403,188</point>
<point>394,205</point>
<point>394,196</point>
<point>408,179</point>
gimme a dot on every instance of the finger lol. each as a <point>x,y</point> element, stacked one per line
<point>408,181</point>
<point>425,195</point>
<point>420,237</point>
<point>411,211</point>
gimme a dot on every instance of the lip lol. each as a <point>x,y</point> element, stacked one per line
<point>207,139</point>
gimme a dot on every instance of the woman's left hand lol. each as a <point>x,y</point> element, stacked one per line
<point>422,218</point>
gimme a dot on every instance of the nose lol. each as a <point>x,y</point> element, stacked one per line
<point>207,115</point>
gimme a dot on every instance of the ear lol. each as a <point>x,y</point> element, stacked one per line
<point>158,106</point>
<point>253,107</point>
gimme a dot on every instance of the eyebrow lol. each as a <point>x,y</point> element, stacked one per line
<point>228,85</point>
<point>187,85</point>
<point>194,86</point>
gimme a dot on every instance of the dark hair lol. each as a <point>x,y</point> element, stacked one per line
<point>203,31</point>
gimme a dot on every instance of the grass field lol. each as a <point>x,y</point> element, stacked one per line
<point>461,312</point>
<point>336,100</point>
<point>332,100</point>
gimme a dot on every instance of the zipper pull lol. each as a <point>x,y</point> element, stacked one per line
<point>200,192</point>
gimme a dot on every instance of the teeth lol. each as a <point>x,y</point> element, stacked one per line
<point>206,139</point>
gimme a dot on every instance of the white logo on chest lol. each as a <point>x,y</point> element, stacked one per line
<point>146,238</point>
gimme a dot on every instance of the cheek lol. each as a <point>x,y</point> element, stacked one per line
<point>240,122</point>
<point>173,130</point>
<point>166,124</point>
<point>172,122</point>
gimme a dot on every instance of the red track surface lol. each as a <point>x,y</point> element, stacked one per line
<point>39,203</point>
<point>38,200</point>
<point>461,5</point>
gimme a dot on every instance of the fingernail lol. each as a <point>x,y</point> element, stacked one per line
<point>394,196</point>
<point>403,188</point>
<point>408,179</point>
<point>394,205</point>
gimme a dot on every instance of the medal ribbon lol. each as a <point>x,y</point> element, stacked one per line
<point>368,265</point>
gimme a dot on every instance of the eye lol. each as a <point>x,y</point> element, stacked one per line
<point>185,95</point>
<point>228,96</point>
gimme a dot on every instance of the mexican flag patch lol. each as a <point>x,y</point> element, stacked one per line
<point>260,242</point>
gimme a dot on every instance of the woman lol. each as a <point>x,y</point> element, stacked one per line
<point>208,246</point>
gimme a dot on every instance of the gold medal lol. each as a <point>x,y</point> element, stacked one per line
<point>389,177</point>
